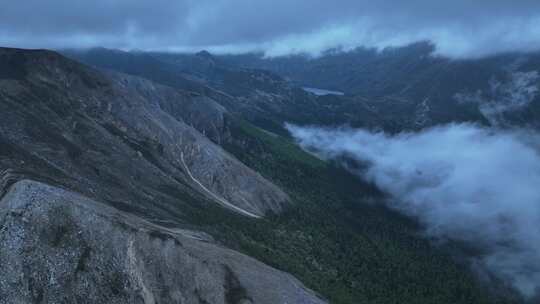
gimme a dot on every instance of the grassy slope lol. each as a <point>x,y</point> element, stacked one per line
<point>334,240</point>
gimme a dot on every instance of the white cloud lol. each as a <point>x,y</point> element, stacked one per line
<point>464,182</point>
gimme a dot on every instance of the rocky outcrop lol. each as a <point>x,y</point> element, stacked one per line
<point>60,247</point>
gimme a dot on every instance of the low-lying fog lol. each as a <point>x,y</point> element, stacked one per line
<point>462,181</point>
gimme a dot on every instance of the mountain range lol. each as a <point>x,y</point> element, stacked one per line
<point>147,177</point>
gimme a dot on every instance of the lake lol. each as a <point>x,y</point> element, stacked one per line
<point>321,92</point>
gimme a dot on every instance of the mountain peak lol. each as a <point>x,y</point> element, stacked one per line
<point>14,62</point>
<point>40,65</point>
<point>205,54</point>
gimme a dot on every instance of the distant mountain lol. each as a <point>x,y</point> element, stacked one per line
<point>268,100</point>
<point>395,89</point>
<point>426,88</point>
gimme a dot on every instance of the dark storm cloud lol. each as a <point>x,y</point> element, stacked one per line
<point>459,28</point>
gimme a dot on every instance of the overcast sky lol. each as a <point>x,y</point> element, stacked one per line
<point>459,28</point>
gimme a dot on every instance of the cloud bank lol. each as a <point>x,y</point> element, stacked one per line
<point>460,28</point>
<point>463,182</point>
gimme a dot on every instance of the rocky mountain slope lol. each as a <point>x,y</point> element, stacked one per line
<point>121,139</point>
<point>61,247</point>
<point>261,97</point>
<point>396,89</point>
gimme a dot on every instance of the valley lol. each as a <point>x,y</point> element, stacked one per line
<point>189,149</point>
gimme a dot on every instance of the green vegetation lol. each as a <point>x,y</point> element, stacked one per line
<point>336,239</point>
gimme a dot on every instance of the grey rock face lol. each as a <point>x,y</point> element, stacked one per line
<point>60,247</point>
<point>121,139</point>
